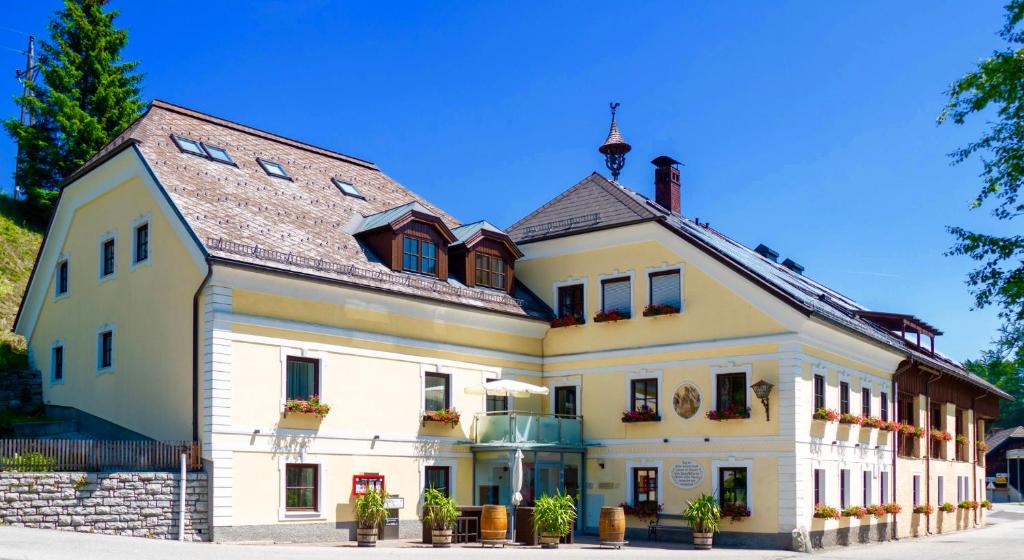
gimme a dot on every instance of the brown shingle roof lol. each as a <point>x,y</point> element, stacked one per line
<point>303,225</point>
<point>995,439</point>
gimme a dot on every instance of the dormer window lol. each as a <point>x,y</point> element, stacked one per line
<point>490,271</point>
<point>273,169</point>
<point>419,255</point>
<point>189,146</point>
<point>347,188</point>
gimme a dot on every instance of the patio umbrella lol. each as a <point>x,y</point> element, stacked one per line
<point>516,479</point>
<point>506,388</point>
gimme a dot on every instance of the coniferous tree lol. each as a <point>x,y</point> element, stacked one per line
<point>86,95</point>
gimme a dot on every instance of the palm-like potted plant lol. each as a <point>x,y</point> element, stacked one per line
<point>370,513</point>
<point>439,513</point>
<point>553,518</point>
<point>704,515</point>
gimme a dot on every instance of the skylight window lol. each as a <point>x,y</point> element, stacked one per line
<point>348,188</point>
<point>189,146</point>
<point>218,154</point>
<point>273,169</point>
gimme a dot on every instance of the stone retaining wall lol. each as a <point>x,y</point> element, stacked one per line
<point>21,390</point>
<point>139,504</point>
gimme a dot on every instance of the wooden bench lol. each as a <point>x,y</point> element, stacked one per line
<point>656,528</point>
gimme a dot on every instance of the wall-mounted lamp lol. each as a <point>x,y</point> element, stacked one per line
<point>762,389</point>
<point>600,464</point>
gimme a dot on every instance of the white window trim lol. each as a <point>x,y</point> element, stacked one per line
<point>681,267</point>
<point>643,374</point>
<point>99,260</point>
<point>823,493</point>
<point>282,512</point>
<point>748,371</point>
<point>59,343</point>
<point>300,353</point>
<point>616,275</point>
<point>63,258</point>
<point>571,282</point>
<point>915,488</point>
<point>453,469</point>
<point>884,490</point>
<point>821,370</point>
<point>630,465</point>
<point>748,464</point>
<point>845,472</point>
<point>577,383</point>
<point>146,219</point>
<point>113,348</point>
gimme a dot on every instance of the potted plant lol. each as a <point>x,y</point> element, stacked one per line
<point>981,446</point>
<point>370,513</point>
<point>821,511</point>
<point>968,504</point>
<point>987,504</point>
<point>703,514</point>
<point>873,422</point>
<point>610,316</point>
<point>855,511</point>
<point>439,513</point>
<point>826,414</point>
<point>892,508</point>
<point>939,435</point>
<point>877,510</point>
<point>730,412</point>
<point>735,511</point>
<point>926,509</point>
<point>553,518</point>
<point>891,426</point>
<point>643,512</point>
<point>566,321</point>
<point>644,414</point>
<point>947,507</point>
<point>448,416</point>
<point>303,406</point>
<point>655,309</point>
<point>847,418</point>
<point>961,439</point>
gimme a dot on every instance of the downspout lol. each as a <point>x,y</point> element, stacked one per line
<point>195,350</point>
<point>928,450</point>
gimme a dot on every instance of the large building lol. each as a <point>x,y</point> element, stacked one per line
<point>201,278</point>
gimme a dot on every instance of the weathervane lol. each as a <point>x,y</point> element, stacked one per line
<point>615,147</point>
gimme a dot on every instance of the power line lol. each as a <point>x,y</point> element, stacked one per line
<point>20,52</point>
<point>25,33</point>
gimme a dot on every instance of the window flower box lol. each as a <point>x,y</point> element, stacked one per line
<point>736,511</point>
<point>981,446</point>
<point>873,422</point>
<point>826,414</point>
<point>916,431</point>
<point>939,435</point>
<point>730,412</point>
<point>987,504</point>
<point>855,511</point>
<point>926,509</point>
<point>892,508</point>
<point>848,418</point>
<point>961,439</point>
<point>642,512</point>
<point>892,426</point>
<point>567,321</point>
<point>448,416</point>
<point>312,406</point>
<point>821,511</point>
<point>947,507</point>
<point>645,414</point>
<point>968,504</point>
<point>611,316</point>
<point>877,510</point>
<point>656,309</point>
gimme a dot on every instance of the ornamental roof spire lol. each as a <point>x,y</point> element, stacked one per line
<point>615,146</point>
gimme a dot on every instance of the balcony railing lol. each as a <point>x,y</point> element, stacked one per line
<point>515,427</point>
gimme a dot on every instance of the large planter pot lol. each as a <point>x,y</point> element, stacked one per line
<point>702,541</point>
<point>441,539</point>
<point>612,525</point>
<point>493,523</point>
<point>366,537</point>
<point>549,540</point>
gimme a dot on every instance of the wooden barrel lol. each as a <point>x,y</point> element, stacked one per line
<point>612,524</point>
<point>494,523</point>
<point>702,541</point>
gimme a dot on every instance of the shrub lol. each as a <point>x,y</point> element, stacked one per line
<point>28,462</point>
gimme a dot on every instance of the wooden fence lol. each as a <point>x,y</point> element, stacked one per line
<point>35,455</point>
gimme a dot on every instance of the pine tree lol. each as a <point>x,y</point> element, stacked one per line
<point>87,95</point>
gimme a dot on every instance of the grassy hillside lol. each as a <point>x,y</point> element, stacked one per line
<point>19,242</point>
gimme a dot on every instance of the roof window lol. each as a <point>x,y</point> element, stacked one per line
<point>273,169</point>
<point>218,154</point>
<point>348,188</point>
<point>189,146</point>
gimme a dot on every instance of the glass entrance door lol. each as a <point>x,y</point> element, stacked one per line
<point>549,479</point>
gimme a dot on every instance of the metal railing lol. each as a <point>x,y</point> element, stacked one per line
<point>519,427</point>
<point>40,455</point>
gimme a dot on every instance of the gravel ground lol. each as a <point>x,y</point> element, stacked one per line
<point>1004,534</point>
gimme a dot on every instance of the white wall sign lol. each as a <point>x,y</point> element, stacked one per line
<point>686,474</point>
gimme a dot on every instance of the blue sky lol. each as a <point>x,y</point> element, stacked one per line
<point>807,126</point>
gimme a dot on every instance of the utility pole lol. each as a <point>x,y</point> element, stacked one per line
<point>26,78</point>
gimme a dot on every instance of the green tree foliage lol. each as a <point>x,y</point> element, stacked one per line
<point>1005,374</point>
<point>995,89</point>
<point>86,96</point>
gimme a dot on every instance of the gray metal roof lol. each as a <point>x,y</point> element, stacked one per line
<point>374,221</point>
<point>464,232</point>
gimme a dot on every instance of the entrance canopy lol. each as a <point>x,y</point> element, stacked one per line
<point>507,388</point>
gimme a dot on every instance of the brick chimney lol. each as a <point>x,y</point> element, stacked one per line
<point>666,183</point>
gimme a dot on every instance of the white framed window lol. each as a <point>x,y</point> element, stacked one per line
<point>916,490</point>
<point>437,466</point>
<point>820,496</point>
<point>142,248</point>
<point>643,469</point>
<point>302,371</point>
<point>729,468</point>
<point>665,286</point>
<point>62,278</point>
<point>866,488</point>
<point>644,389</point>
<point>570,397</point>
<point>105,349</point>
<point>107,253</point>
<point>718,385</point>
<point>57,362</point>
<point>617,295</point>
<point>844,488</point>
<point>302,482</point>
<point>883,487</point>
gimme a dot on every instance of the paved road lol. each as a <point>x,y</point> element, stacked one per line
<point>1003,538</point>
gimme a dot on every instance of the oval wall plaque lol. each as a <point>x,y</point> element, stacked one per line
<point>686,474</point>
<point>686,400</point>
